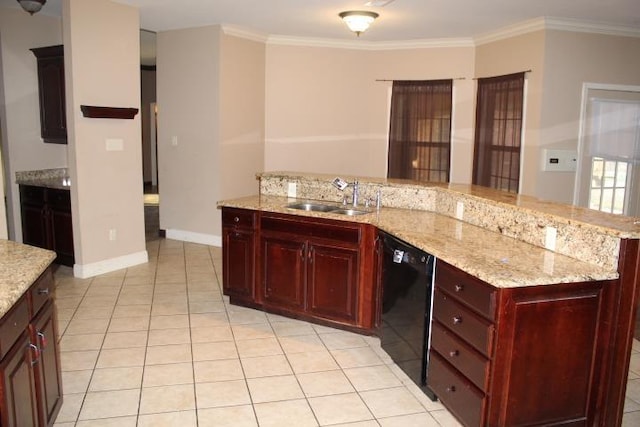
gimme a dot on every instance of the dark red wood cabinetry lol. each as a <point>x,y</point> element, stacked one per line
<point>51,90</point>
<point>518,356</point>
<point>313,268</point>
<point>239,253</point>
<point>31,387</point>
<point>46,221</point>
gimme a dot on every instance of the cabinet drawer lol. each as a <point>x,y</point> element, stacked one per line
<point>59,199</point>
<point>469,326</point>
<point>41,291</point>
<point>473,365</point>
<point>31,194</point>
<point>469,290</point>
<point>13,324</point>
<point>457,394</point>
<point>238,218</point>
<point>341,231</point>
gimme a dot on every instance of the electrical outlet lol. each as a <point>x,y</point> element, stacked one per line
<point>112,234</point>
<point>550,238</point>
<point>459,210</point>
<point>291,189</point>
<point>174,141</point>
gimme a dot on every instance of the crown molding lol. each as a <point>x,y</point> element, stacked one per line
<point>244,33</point>
<point>366,45</point>
<point>561,24</point>
<point>525,27</point>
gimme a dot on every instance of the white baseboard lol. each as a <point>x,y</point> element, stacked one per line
<point>84,271</point>
<point>192,237</point>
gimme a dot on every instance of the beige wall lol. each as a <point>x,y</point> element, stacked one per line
<point>188,78</point>
<point>22,146</point>
<point>102,66</point>
<point>520,53</point>
<point>572,59</point>
<point>4,232</point>
<point>242,116</point>
<point>325,111</point>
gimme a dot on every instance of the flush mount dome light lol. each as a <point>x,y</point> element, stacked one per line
<point>358,20</point>
<point>32,6</point>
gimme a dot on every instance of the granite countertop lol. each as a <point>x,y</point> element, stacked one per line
<point>50,178</point>
<point>497,259</point>
<point>20,266</point>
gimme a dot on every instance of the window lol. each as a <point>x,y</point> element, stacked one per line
<point>496,162</point>
<point>420,130</point>
<point>612,155</point>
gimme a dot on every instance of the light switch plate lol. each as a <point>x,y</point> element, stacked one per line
<point>114,144</point>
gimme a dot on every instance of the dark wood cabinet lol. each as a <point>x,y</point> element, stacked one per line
<point>51,91</point>
<point>517,356</point>
<point>238,254</point>
<point>46,221</point>
<point>31,387</point>
<point>312,268</point>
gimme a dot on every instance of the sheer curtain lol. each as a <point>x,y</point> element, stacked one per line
<point>420,130</point>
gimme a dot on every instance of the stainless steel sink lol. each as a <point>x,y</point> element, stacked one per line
<point>347,211</point>
<point>310,206</point>
<point>322,207</point>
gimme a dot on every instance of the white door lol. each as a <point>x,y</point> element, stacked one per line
<point>608,176</point>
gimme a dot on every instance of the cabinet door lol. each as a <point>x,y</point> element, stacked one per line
<point>19,406</point>
<point>283,272</point>
<point>53,122</point>
<point>62,235</point>
<point>34,228</point>
<point>47,369</point>
<point>332,285</point>
<point>238,253</point>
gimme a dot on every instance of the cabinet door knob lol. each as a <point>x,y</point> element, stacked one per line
<point>459,288</point>
<point>457,320</point>
<point>451,389</point>
<point>454,353</point>
<point>236,219</point>
<point>43,291</point>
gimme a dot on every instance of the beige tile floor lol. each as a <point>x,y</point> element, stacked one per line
<point>158,345</point>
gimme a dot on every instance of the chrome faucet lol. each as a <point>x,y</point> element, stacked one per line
<point>341,185</point>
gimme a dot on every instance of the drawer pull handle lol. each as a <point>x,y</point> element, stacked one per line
<point>43,341</point>
<point>35,354</point>
<point>457,320</point>
<point>459,288</point>
<point>44,291</point>
<point>236,219</point>
<point>454,353</point>
<point>451,389</point>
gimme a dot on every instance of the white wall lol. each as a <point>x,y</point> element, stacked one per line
<point>22,146</point>
<point>102,67</point>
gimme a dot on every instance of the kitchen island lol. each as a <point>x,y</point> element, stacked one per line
<point>548,326</point>
<point>30,381</point>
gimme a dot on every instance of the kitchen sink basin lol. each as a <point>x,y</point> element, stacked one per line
<point>310,206</point>
<point>347,211</point>
<point>321,207</point>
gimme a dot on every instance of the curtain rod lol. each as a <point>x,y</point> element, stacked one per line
<point>416,80</point>
<point>517,72</point>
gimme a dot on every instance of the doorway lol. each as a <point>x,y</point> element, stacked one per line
<point>608,174</point>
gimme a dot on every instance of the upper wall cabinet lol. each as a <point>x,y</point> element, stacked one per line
<point>53,118</point>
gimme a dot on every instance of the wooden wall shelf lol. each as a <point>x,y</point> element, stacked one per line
<point>108,112</point>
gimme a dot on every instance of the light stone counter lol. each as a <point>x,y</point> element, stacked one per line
<point>50,178</point>
<point>20,266</point>
<point>495,258</point>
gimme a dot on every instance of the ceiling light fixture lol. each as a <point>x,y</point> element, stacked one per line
<point>32,6</point>
<point>358,20</point>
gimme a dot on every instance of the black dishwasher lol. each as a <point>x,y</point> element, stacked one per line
<point>407,289</point>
